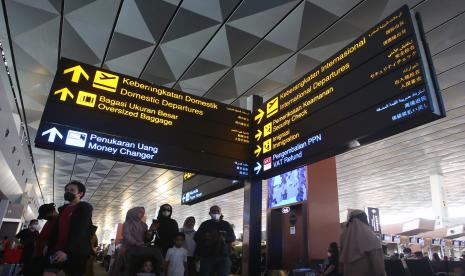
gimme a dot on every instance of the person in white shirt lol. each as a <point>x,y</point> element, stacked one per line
<point>190,245</point>
<point>110,256</point>
<point>176,257</point>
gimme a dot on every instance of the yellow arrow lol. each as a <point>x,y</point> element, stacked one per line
<point>64,93</point>
<point>259,116</point>
<point>258,134</point>
<point>77,72</point>
<point>257,151</point>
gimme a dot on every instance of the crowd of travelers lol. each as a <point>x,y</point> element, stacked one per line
<point>67,243</point>
<point>361,253</point>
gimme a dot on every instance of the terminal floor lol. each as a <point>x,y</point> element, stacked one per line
<point>98,270</point>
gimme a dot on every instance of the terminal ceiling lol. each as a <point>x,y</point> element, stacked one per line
<point>226,50</point>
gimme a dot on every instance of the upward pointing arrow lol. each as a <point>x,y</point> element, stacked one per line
<point>53,133</point>
<point>259,116</point>
<point>77,72</point>
<point>64,93</point>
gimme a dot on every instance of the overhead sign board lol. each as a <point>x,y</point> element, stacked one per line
<point>198,188</point>
<point>378,85</point>
<point>97,112</point>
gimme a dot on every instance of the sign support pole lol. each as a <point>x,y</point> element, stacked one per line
<point>252,215</point>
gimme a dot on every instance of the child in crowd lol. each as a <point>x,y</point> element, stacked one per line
<point>147,269</point>
<point>176,257</point>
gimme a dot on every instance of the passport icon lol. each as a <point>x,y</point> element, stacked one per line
<point>105,81</point>
<point>272,107</point>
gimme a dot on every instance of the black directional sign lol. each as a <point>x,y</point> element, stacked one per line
<point>97,112</point>
<point>198,188</point>
<point>378,85</point>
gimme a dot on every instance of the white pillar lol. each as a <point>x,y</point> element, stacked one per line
<point>3,209</point>
<point>439,200</point>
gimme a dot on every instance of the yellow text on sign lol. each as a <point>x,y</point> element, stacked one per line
<point>86,99</point>
<point>272,107</point>
<point>105,81</point>
<point>267,146</point>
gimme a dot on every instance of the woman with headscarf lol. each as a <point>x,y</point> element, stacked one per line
<point>164,228</point>
<point>189,244</point>
<point>361,251</point>
<point>332,269</point>
<point>134,234</point>
<point>134,229</point>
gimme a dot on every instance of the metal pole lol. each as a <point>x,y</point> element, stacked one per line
<point>252,215</point>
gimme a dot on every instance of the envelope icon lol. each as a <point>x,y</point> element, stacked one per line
<point>272,107</point>
<point>105,81</point>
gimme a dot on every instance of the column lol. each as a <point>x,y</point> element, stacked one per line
<point>439,200</point>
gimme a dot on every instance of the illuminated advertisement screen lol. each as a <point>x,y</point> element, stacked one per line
<point>379,85</point>
<point>287,188</point>
<point>100,113</point>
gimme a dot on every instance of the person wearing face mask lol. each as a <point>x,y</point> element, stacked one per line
<point>164,229</point>
<point>69,246</point>
<point>189,244</point>
<point>28,237</point>
<point>214,238</point>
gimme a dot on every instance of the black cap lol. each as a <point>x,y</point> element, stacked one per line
<point>45,209</point>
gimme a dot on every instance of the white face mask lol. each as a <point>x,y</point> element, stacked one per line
<point>166,213</point>
<point>36,227</point>
<point>216,217</point>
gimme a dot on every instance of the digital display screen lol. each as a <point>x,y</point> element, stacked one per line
<point>190,133</point>
<point>396,239</point>
<point>387,238</point>
<point>421,241</point>
<point>436,242</point>
<point>287,188</point>
<point>457,243</point>
<point>377,86</point>
<point>198,188</point>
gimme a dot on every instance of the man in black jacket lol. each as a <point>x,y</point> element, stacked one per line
<point>28,237</point>
<point>214,238</point>
<point>69,246</point>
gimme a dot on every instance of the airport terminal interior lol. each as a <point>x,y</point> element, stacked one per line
<point>197,103</point>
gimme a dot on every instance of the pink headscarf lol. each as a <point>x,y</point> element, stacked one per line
<point>134,228</point>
